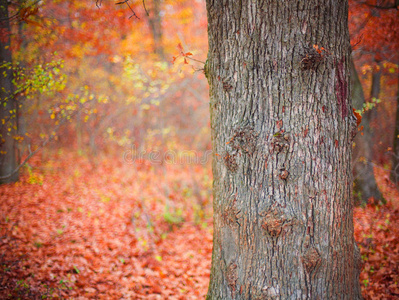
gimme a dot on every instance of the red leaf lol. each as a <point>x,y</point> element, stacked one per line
<point>358,117</point>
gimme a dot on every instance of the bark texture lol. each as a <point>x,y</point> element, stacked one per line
<point>282,131</point>
<point>8,108</point>
<point>365,184</point>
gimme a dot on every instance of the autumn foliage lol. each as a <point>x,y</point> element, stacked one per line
<point>112,231</point>
<point>119,204</point>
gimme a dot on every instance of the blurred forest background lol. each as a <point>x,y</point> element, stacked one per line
<point>110,105</point>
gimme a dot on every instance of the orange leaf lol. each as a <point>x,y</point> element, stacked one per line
<point>358,117</point>
<point>316,47</point>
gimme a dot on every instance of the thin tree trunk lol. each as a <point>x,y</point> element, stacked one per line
<point>374,94</point>
<point>155,22</point>
<point>8,107</point>
<point>79,132</point>
<point>365,184</point>
<point>20,100</point>
<point>376,83</point>
<point>282,130</point>
<point>395,158</point>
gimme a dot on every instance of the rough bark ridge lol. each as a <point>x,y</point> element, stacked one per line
<point>282,130</point>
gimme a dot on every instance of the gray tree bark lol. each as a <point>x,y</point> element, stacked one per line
<point>8,107</point>
<point>282,131</point>
<point>365,184</point>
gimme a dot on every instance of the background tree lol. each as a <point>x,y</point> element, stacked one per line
<point>395,152</point>
<point>155,22</point>
<point>282,130</point>
<point>365,185</point>
<point>374,28</point>
<point>8,105</point>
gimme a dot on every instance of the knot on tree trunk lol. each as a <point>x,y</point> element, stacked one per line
<point>230,162</point>
<point>274,223</point>
<point>232,276</point>
<point>231,214</point>
<point>311,260</point>
<point>227,86</point>
<point>312,58</point>
<point>244,139</point>
<point>280,143</point>
<point>283,174</point>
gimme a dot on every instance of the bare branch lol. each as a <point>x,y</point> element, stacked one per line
<point>391,6</point>
<point>145,8</point>
<point>193,59</point>
<point>18,12</point>
<point>131,9</point>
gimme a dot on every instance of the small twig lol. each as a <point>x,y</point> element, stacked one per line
<point>394,5</point>
<point>20,7</point>
<point>195,59</point>
<point>358,42</point>
<point>145,8</point>
<point>25,161</point>
<point>199,70</point>
<point>131,9</point>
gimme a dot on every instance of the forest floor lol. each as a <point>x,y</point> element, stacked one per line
<point>73,228</point>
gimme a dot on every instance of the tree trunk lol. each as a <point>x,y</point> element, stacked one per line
<point>365,184</point>
<point>282,130</point>
<point>8,107</point>
<point>19,99</point>
<point>155,22</point>
<point>376,82</point>
<point>395,158</point>
<point>371,115</point>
